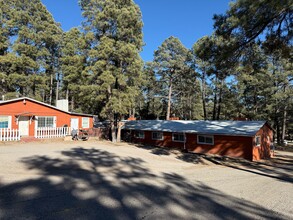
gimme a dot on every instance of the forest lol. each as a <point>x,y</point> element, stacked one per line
<point>241,71</point>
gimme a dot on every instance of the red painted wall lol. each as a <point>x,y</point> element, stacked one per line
<point>233,146</point>
<point>36,109</point>
<point>263,151</point>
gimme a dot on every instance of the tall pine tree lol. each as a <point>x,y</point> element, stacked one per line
<point>114,68</point>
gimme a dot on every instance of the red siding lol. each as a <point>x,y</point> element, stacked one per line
<point>36,109</point>
<point>233,146</point>
<point>263,151</point>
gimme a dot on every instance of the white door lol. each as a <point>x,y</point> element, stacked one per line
<point>74,123</point>
<point>23,125</point>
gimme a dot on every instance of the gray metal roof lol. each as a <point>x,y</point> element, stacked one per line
<point>236,128</point>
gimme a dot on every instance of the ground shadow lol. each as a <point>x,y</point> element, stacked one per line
<point>95,184</point>
<point>279,167</point>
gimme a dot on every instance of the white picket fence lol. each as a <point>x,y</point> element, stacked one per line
<point>7,134</point>
<point>48,132</point>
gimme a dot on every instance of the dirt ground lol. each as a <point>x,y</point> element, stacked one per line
<point>101,180</point>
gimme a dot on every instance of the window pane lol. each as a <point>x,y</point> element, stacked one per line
<point>209,140</point>
<point>157,135</point>
<point>178,137</point>
<point>50,122</point>
<point>85,122</point>
<point>201,139</point>
<point>41,122</point>
<point>139,134</point>
<point>45,122</point>
<point>3,121</point>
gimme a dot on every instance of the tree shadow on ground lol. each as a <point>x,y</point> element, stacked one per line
<point>95,184</point>
<point>280,167</point>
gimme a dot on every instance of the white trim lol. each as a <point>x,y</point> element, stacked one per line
<point>54,121</point>
<point>45,116</point>
<point>9,121</point>
<point>178,133</point>
<point>210,136</point>
<point>87,123</point>
<point>156,138</point>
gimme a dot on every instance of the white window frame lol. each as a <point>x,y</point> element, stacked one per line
<point>54,121</point>
<point>138,136</point>
<point>256,137</point>
<point>173,139</point>
<point>157,132</point>
<point>88,122</point>
<point>205,136</point>
<point>9,119</point>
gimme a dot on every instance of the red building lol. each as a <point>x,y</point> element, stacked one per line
<point>250,140</point>
<point>28,115</point>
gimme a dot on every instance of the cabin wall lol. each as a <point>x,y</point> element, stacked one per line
<point>29,108</point>
<point>263,151</point>
<point>224,145</point>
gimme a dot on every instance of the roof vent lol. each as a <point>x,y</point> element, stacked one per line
<point>62,104</point>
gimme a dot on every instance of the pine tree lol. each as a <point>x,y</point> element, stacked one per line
<point>114,66</point>
<point>28,34</point>
<point>171,63</point>
<point>72,65</point>
<point>246,20</point>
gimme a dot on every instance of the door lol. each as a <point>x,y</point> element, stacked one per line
<point>23,125</point>
<point>74,123</point>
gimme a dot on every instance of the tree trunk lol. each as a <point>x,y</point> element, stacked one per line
<point>113,132</point>
<point>57,89</point>
<point>67,94</point>
<point>203,96</point>
<point>284,119</point>
<point>51,90</point>
<point>220,101</point>
<point>120,124</point>
<point>284,124</point>
<point>169,101</point>
<point>72,103</point>
<point>215,103</point>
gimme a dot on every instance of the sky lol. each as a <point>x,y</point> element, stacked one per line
<point>188,20</point>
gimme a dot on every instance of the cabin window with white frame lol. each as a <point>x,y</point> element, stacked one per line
<point>4,122</point>
<point>85,122</point>
<point>178,137</point>
<point>139,134</point>
<point>157,135</point>
<point>257,141</point>
<point>45,121</point>
<point>205,139</point>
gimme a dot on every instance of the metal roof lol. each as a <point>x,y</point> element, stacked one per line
<point>45,104</point>
<point>236,128</point>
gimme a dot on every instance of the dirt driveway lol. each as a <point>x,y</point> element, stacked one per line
<point>100,180</point>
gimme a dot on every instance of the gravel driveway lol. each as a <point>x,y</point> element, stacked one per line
<point>101,180</point>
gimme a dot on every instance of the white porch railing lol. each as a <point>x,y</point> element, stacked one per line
<point>48,132</point>
<point>7,134</point>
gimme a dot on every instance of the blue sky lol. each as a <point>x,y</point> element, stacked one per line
<point>188,20</point>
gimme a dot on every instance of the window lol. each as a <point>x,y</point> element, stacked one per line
<point>139,134</point>
<point>204,139</point>
<point>47,121</point>
<point>4,122</point>
<point>157,135</point>
<point>257,141</point>
<point>178,137</point>
<point>85,122</point>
